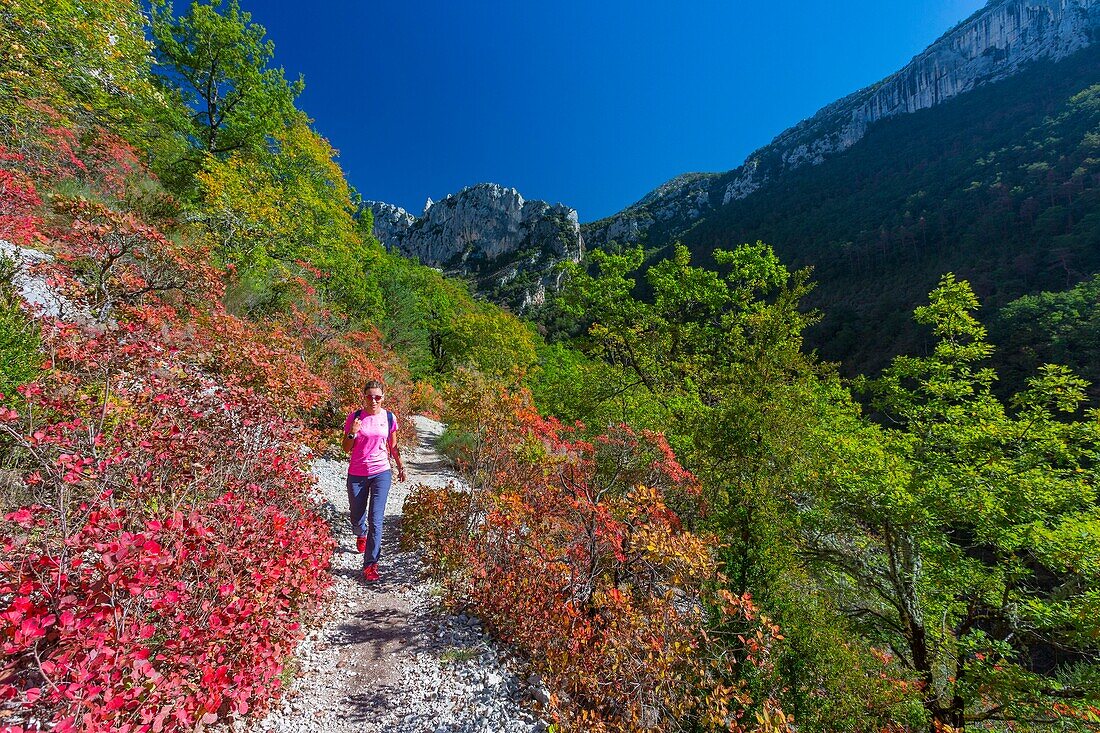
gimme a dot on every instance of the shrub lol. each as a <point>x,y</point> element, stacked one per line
<point>168,549</point>
<point>567,549</point>
<point>456,444</point>
<point>20,348</point>
<point>425,399</point>
<point>436,520</point>
<point>158,545</point>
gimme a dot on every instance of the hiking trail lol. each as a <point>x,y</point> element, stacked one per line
<point>385,658</point>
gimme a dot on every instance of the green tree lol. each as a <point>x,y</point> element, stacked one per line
<point>573,386</point>
<point>720,363</point>
<point>1052,327</point>
<point>418,303</point>
<point>215,59</point>
<point>964,536</point>
<point>493,341</point>
<point>269,210</point>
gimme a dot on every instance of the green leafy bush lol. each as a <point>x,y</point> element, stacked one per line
<point>20,347</point>
<point>456,444</point>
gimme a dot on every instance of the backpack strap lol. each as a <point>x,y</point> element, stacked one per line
<point>389,418</point>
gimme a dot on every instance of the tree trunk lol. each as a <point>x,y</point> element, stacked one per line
<point>942,720</point>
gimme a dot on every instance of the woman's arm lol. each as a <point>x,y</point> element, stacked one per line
<point>395,452</point>
<point>347,439</point>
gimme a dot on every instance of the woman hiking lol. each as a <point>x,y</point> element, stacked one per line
<point>370,436</point>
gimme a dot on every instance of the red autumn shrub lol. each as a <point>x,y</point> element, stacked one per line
<point>164,546</point>
<point>567,549</point>
<point>19,202</point>
<point>148,617</point>
<point>111,258</point>
<point>265,357</point>
<point>435,520</point>
<point>158,543</point>
<point>347,359</point>
<point>328,362</point>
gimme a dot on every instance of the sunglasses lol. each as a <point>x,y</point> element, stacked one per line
<point>373,397</point>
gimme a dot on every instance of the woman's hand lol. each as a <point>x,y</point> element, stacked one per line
<point>348,438</point>
<point>400,473</point>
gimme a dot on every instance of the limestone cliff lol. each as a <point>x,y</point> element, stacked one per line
<point>490,233</point>
<point>993,44</point>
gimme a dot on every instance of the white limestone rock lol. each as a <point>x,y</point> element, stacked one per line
<point>993,44</point>
<point>35,289</point>
<point>685,198</point>
<point>390,222</point>
<point>488,231</point>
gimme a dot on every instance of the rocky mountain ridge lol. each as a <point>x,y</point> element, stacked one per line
<point>993,44</point>
<point>488,232</point>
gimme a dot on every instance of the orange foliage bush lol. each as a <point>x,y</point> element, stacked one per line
<point>567,548</point>
<point>425,400</point>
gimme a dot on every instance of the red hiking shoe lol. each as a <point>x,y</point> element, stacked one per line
<point>361,544</point>
<point>370,573</point>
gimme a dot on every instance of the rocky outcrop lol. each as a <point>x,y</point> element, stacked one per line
<point>390,221</point>
<point>508,245</point>
<point>993,44</point>
<point>683,199</point>
<point>663,214</point>
<point>37,290</point>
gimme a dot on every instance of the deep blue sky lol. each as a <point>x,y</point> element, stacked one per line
<point>588,103</point>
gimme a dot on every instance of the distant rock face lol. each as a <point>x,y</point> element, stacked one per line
<point>509,245</point>
<point>389,221</point>
<point>993,44</point>
<point>683,199</point>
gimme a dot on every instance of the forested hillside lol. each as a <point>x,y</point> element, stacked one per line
<point>1000,185</point>
<point>681,517</point>
<point>1052,327</point>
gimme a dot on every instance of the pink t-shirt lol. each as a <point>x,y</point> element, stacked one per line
<point>369,453</point>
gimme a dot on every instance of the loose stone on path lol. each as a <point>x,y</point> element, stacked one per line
<point>386,659</point>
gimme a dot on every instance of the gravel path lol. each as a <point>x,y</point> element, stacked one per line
<point>386,658</point>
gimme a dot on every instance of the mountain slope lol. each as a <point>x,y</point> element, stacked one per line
<point>995,43</point>
<point>1000,186</point>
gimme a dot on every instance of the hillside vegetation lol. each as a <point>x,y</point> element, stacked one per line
<point>205,307</point>
<point>682,517</point>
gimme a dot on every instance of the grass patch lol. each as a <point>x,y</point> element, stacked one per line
<point>20,348</point>
<point>458,445</point>
<point>289,671</point>
<point>459,654</point>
